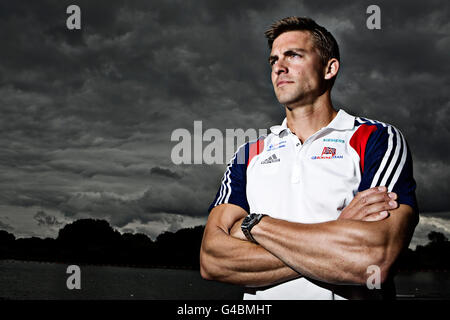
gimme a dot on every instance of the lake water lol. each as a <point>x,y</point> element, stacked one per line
<point>35,280</point>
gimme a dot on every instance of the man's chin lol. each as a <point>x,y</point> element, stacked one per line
<point>289,102</point>
<point>285,100</point>
<point>288,99</point>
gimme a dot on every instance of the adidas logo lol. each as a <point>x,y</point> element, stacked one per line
<point>271,159</point>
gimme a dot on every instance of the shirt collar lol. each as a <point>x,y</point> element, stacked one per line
<point>279,128</point>
<point>342,121</point>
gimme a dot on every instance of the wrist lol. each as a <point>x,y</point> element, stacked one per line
<point>249,222</point>
<point>258,229</point>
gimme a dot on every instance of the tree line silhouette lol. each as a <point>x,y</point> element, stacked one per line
<point>89,241</point>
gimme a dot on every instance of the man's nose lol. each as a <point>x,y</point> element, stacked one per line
<point>280,67</point>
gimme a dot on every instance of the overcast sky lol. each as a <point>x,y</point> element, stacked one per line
<point>87,115</point>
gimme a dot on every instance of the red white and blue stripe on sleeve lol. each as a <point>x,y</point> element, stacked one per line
<point>234,182</point>
<point>385,159</point>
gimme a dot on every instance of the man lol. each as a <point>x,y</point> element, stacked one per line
<point>336,191</point>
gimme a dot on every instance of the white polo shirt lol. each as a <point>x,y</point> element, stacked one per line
<point>312,182</point>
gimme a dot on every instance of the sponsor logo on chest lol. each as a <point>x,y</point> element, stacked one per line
<point>274,146</point>
<point>327,153</point>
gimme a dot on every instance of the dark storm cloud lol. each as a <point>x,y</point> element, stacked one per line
<point>164,173</point>
<point>44,219</point>
<point>86,116</point>
<point>433,180</point>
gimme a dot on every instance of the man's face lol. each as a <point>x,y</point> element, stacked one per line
<point>297,72</point>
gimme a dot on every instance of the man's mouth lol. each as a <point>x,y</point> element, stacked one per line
<point>283,82</point>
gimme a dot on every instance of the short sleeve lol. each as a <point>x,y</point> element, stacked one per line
<point>234,182</point>
<point>388,162</point>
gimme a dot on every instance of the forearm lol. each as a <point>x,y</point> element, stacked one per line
<point>336,252</point>
<point>227,259</point>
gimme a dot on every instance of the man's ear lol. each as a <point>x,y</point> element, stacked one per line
<point>332,68</point>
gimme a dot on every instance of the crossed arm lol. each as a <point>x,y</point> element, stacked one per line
<point>337,252</point>
<point>229,259</point>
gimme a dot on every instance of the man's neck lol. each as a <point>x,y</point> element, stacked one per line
<point>306,119</point>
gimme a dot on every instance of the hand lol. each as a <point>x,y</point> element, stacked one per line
<point>370,205</point>
<point>236,230</point>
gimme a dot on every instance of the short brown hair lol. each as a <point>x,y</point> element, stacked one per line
<point>324,41</point>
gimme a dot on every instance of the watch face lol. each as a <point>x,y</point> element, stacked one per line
<point>249,220</point>
<point>248,223</point>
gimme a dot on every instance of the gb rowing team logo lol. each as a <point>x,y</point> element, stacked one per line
<point>328,150</point>
<point>327,153</point>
